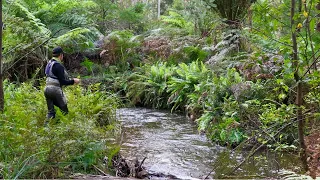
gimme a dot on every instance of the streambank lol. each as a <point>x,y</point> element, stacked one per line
<point>172,145</point>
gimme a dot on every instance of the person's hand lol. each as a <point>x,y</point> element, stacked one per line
<point>102,52</point>
<point>76,80</point>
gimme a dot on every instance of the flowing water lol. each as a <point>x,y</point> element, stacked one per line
<point>173,146</point>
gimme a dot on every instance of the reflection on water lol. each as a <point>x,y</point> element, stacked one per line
<point>173,146</point>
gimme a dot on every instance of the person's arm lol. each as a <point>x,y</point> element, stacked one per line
<point>58,71</point>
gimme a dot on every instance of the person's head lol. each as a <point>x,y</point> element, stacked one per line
<point>57,52</point>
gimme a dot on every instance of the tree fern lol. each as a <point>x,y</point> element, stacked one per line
<point>22,12</point>
<point>76,40</point>
<point>66,15</point>
<point>68,22</point>
<point>58,28</point>
<point>74,20</point>
<point>231,10</point>
<point>23,33</point>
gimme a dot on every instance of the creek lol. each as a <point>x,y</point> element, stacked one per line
<point>173,147</point>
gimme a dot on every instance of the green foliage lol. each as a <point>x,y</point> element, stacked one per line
<point>204,121</point>
<point>270,24</point>
<point>231,10</point>
<point>221,117</point>
<point>195,53</point>
<point>65,15</point>
<point>269,18</point>
<point>274,116</point>
<point>200,15</point>
<point>30,25</point>
<point>76,40</point>
<point>88,64</point>
<point>175,19</point>
<point>103,13</point>
<point>23,12</point>
<point>195,88</point>
<point>68,22</point>
<point>23,32</point>
<point>71,143</point>
<point>199,18</point>
<point>121,47</point>
<point>228,108</point>
<point>133,17</point>
<point>150,88</point>
<point>188,77</point>
<point>121,37</point>
<point>110,16</point>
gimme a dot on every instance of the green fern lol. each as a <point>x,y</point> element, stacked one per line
<point>76,40</point>
<point>175,19</point>
<point>151,88</point>
<point>23,12</point>
<point>188,77</point>
<point>65,15</point>
<point>204,120</point>
<point>29,150</point>
<point>232,10</point>
<point>24,33</point>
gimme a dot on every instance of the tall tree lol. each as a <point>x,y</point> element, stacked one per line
<point>299,97</point>
<point>159,3</point>
<point>1,72</point>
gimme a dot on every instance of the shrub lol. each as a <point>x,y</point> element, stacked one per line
<point>71,143</point>
<point>150,87</point>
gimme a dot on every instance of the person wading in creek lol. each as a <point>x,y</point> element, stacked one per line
<point>57,77</point>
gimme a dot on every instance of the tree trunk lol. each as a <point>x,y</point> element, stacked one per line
<point>159,3</point>
<point>250,17</point>
<point>299,97</point>
<point>1,71</point>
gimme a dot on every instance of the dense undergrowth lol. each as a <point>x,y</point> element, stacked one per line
<point>77,142</point>
<point>226,106</point>
<point>237,98</point>
<point>230,69</point>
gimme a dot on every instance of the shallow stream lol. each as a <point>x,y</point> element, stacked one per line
<point>172,146</point>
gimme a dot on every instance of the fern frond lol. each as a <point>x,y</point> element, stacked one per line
<point>174,19</point>
<point>204,121</point>
<point>20,11</point>
<point>59,29</point>
<point>76,40</point>
<point>73,20</point>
